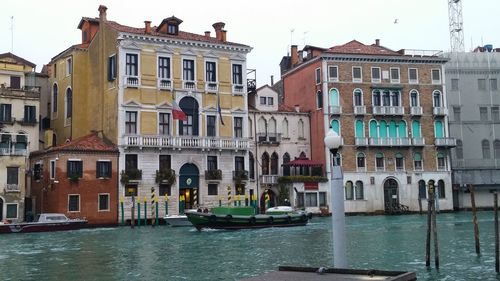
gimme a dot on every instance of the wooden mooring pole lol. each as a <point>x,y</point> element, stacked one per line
<point>419,205</point>
<point>474,219</point>
<point>434,229</point>
<point>428,240</point>
<point>132,213</point>
<point>495,200</point>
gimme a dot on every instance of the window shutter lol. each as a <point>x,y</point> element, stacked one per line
<point>68,169</point>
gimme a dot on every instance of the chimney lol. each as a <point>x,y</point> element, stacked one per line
<point>297,108</point>
<point>377,42</point>
<point>207,34</point>
<point>218,26</point>
<point>272,80</point>
<point>294,55</point>
<point>102,12</point>
<point>147,27</point>
<point>223,37</point>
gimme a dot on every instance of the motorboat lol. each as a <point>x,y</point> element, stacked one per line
<point>44,222</point>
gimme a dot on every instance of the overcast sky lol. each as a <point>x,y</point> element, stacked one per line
<point>42,29</point>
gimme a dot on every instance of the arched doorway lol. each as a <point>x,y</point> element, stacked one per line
<point>272,200</point>
<point>190,107</point>
<point>391,197</point>
<point>189,182</point>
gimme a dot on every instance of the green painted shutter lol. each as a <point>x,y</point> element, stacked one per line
<point>373,129</point>
<point>392,129</point>
<point>417,157</point>
<point>415,129</point>
<point>334,97</point>
<point>335,126</point>
<point>438,127</point>
<point>359,129</point>
<point>383,129</point>
<point>402,129</point>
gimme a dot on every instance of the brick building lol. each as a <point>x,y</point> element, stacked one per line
<point>390,110</point>
<point>78,178</point>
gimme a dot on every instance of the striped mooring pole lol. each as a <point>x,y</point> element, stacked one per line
<point>157,221</point>
<point>145,210</point>
<point>195,198</point>
<point>229,196</point>
<point>246,199</point>
<point>181,204</point>
<point>153,210</point>
<point>138,211</point>
<point>166,204</point>
<point>121,209</point>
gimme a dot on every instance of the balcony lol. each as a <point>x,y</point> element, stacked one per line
<point>12,188</point>
<point>360,110</point>
<point>213,175</point>
<point>389,142</point>
<point>418,141</point>
<point>269,138</point>
<point>475,163</point>
<point>126,176</point>
<point>179,142</point>
<point>240,175</point>
<point>189,85</point>
<point>335,109</point>
<point>440,111</point>
<point>446,142</point>
<point>165,176</point>
<point>269,179</point>
<point>361,141</point>
<point>26,92</point>
<point>211,87</point>
<point>28,121</point>
<point>388,110</point>
<point>7,120</point>
<point>416,111</point>
<point>132,81</point>
<point>164,84</point>
<point>238,90</point>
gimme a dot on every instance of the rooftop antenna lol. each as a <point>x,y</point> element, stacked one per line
<point>456,24</point>
<point>291,36</point>
<point>12,34</point>
<point>304,37</point>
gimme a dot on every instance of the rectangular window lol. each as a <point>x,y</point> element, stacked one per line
<point>300,199</point>
<point>5,112</point>
<point>188,70</point>
<point>412,75</point>
<point>74,168</point>
<point>436,76</point>
<point>483,114</point>
<point>263,100</point>
<point>456,113</point>
<point>495,115</point>
<point>270,101</point>
<point>311,199</point>
<point>74,203</point>
<point>333,73</point>
<point>441,191</point>
<point>165,162</point>
<point>164,189</point>
<point>187,126</point>
<point>131,122</point>
<point>13,175</point>
<point>379,163</point>
<point>454,84</point>
<point>213,189</point>
<point>238,127</point>
<point>103,169</point>
<point>163,67</point>
<point>103,202</point>
<point>394,75</point>
<point>318,75</point>
<point>37,172</point>
<point>211,74</point>
<point>361,161</point>
<point>212,163</point>
<point>52,169</point>
<point>131,190</point>
<point>356,74</point>
<point>493,84</point>
<point>400,165</point>
<point>164,124</point>
<point>322,199</point>
<point>481,84</point>
<point>11,211</point>
<point>69,66</point>
<point>239,163</point>
<point>112,68</point>
<point>376,75</point>
<point>29,114</point>
<point>418,164</point>
<point>237,74</point>
<point>131,65</point>
<point>211,126</point>
<point>15,82</point>
<point>130,162</point>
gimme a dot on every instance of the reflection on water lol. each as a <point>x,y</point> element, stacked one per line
<point>161,253</point>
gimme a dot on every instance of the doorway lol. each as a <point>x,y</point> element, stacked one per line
<point>391,197</point>
<point>189,186</point>
<point>272,198</point>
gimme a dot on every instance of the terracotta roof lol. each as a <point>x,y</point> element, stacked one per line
<point>356,47</point>
<point>88,143</point>
<point>303,162</point>
<point>286,108</point>
<point>12,56</point>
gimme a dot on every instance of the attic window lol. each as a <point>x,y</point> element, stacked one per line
<point>172,29</point>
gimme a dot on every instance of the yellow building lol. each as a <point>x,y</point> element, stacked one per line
<point>128,82</point>
<point>19,111</point>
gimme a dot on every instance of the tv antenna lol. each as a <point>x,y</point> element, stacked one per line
<point>12,34</point>
<point>456,25</point>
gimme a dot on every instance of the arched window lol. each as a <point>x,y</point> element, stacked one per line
<point>436,99</point>
<point>417,161</point>
<point>333,97</point>
<point>379,161</point>
<point>349,191</point>
<point>485,145</point>
<point>190,107</point>
<point>359,191</point>
<point>415,129</point>
<point>274,164</point>
<point>55,91</point>
<point>459,152</point>
<point>383,129</point>
<point>414,100</point>
<point>361,161</point>
<point>395,98</point>
<point>386,98</point>
<point>358,97</point>
<point>422,191</point>
<point>441,189</point>
<point>69,103</point>
<point>360,130</point>
<point>300,129</point>
<point>441,159</point>
<point>286,168</point>
<point>496,146</point>
<point>265,163</point>
<point>261,129</point>
<point>284,128</point>
<point>271,129</point>
<point>337,159</point>
<point>400,162</point>
<point>392,129</point>
<point>251,163</point>
<point>438,129</point>
<point>335,126</point>
<point>402,129</point>
<point>373,129</point>
<point>376,98</point>
<point>319,99</point>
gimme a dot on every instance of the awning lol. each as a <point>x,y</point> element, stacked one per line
<point>303,162</point>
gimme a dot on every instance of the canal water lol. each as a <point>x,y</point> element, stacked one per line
<point>166,253</point>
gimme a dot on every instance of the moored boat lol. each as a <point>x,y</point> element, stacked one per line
<point>44,222</point>
<point>245,217</point>
<point>180,219</point>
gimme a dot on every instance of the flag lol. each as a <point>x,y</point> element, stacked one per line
<point>177,112</point>
<point>219,110</point>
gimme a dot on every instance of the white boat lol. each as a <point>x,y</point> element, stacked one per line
<point>177,220</point>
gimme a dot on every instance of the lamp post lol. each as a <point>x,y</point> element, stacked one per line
<point>333,142</point>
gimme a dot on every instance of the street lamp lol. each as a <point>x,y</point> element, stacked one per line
<point>333,142</point>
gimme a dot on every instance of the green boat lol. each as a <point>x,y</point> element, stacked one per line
<point>245,218</point>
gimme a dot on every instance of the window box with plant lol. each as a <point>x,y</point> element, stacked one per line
<point>240,175</point>
<point>74,178</point>
<point>165,176</point>
<point>130,175</point>
<point>213,174</point>
<point>299,178</point>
